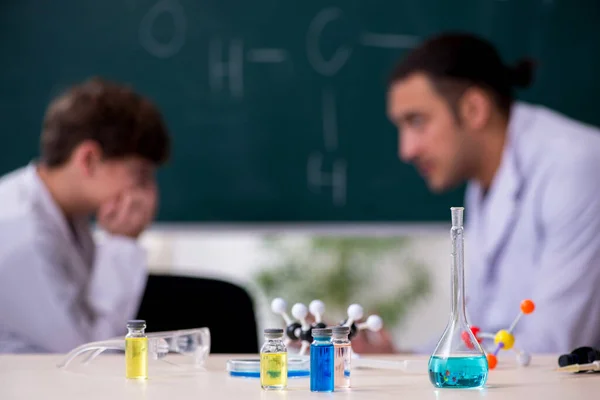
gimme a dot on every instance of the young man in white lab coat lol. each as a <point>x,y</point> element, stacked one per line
<point>100,145</point>
<point>533,199</point>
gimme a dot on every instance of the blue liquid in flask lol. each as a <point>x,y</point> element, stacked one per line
<point>458,372</point>
<point>458,362</point>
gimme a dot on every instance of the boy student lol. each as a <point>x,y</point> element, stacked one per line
<point>100,145</point>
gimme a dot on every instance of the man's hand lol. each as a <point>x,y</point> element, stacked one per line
<point>130,213</point>
<point>367,342</point>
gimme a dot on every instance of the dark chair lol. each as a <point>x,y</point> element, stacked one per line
<point>177,302</point>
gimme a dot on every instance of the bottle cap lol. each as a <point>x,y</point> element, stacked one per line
<point>322,332</point>
<point>136,323</point>
<point>273,333</point>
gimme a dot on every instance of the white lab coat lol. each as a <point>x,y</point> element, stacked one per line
<point>57,292</point>
<point>536,234</point>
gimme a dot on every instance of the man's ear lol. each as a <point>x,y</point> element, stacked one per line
<point>475,108</point>
<point>87,156</point>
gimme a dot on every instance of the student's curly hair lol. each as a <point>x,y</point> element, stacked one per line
<point>122,122</point>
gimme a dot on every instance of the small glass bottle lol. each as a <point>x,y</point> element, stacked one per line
<point>458,360</point>
<point>343,354</point>
<point>322,360</point>
<point>136,350</point>
<point>273,361</point>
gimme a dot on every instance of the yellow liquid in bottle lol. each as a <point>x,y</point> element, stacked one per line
<point>136,358</point>
<point>273,370</point>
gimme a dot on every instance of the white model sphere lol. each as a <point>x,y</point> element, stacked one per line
<point>523,358</point>
<point>374,323</point>
<point>299,311</point>
<point>278,305</point>
<point>316,307</point>
<point>355,312</point>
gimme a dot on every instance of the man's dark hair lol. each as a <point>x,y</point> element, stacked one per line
<point>121,121</point>
<point>456,61</point>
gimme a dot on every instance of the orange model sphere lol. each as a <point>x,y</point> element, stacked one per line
<point>527,306</point>
<point>492,361</point>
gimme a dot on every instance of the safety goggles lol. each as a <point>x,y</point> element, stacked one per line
<point>169,351</point>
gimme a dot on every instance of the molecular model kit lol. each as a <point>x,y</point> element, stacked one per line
<point>299,329</point>
<point>504,339</point>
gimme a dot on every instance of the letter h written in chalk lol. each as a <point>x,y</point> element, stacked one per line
<point>226,67</point>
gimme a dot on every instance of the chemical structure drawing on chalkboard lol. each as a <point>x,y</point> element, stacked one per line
<point>226,60</point>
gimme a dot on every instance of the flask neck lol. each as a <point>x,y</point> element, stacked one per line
<point>457,311</point>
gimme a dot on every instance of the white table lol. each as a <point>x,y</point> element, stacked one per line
<point>34,377</point>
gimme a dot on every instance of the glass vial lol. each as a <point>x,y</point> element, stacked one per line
<point>136,350</point>
<point>322,360</point>
<point>273,361</point>
<point>458,360</point>
<point>343,354</point>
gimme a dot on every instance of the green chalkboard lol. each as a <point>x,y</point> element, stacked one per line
<point>277,107</point>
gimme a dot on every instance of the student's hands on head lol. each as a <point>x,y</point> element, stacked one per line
<point>129,213</point>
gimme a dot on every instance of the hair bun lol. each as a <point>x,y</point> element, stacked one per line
<point>521,75</point>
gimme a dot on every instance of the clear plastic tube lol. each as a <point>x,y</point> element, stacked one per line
<point>409,366</point>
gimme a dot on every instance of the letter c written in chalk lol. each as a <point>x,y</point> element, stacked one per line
<point>331,66</point>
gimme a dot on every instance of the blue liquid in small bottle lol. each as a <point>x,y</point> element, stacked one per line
<point>321,367</point>
<point>458,372</point>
